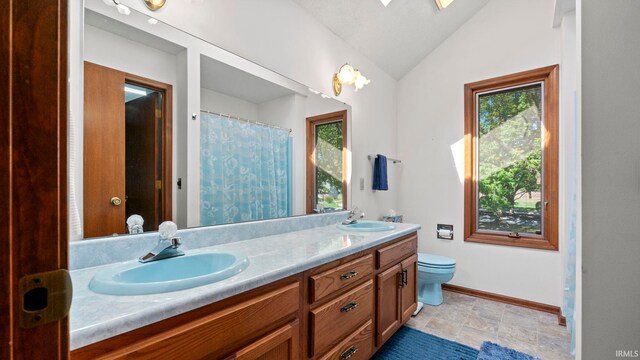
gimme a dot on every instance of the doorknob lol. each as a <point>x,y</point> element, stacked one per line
<point>115,201</point>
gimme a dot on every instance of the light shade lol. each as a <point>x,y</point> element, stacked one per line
<point>360,81</point>
<point>347,74</point>
<point>385,2</point>
<point>443,3</point>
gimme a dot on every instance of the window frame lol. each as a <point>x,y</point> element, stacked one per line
<point>312,122</point>
<point>548,76</point>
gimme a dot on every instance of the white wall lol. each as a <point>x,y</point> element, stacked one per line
<point>610,177</point>
<point>281,36</point>
<point>224,104</point>
<point>505,36</point>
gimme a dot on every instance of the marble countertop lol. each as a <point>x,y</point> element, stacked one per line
<point>96,317</point>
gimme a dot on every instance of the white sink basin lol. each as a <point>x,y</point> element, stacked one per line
<point>178,273</point>
<point>367,226</point>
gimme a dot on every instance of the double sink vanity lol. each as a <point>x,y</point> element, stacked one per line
<point>246,276</point>
<point>303,288</point>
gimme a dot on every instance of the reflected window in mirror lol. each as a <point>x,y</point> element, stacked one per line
<point>326,162</point>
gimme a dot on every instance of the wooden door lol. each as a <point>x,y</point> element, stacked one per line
<point>33,167</point>
<point>409,297</point>
<point>388,303</point>
<point>104,151</point>
<point>142,156</point>
<point>282,344</point>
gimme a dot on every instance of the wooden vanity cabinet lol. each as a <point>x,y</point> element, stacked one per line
<point>259,324</point>
<point>397,293</point>
<point>345,309</point>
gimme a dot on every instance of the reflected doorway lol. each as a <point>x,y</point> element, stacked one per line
<point>127,151</point>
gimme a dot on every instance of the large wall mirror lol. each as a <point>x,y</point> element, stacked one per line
<point>175,128</point>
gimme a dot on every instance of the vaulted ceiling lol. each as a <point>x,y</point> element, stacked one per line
<point>396,37</point>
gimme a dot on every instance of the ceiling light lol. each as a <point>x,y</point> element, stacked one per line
<point>348,75</point>
<point>135,91</point>
<point>123,9</point>
<point>152,21</point>
<point>442,3</point>
<point>385,2</point>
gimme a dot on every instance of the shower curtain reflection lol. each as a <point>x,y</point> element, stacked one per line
<point>245,171</point>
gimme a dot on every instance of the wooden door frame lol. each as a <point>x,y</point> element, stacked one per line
<point>167,137</point>
<point>33,166</point>
<point>311,125</point>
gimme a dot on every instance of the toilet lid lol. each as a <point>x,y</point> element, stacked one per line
<point>435,260</point>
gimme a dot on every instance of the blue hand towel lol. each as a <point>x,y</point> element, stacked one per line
<point>380,181</point>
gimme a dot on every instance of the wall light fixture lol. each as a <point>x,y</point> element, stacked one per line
<point>348,75</point>
<point>154,4</point>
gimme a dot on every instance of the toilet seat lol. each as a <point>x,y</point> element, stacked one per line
<point>435,261</point>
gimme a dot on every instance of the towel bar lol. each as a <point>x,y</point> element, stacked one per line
<point>395,161</point>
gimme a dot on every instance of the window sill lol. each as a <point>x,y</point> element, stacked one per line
<point>525,242</point>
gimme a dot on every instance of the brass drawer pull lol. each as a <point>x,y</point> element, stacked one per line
<point>349,352</point>
<point>348,275</point>
<point>350,306</point>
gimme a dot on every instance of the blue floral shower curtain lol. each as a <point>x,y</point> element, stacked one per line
<point>245,171</point>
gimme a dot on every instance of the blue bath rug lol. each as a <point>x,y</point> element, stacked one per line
<point>410,344</point>
<point>491,351</point>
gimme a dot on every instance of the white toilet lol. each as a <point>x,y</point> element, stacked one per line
<point>433,271</point>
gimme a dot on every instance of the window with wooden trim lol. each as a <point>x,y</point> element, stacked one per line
<point>511,165</point>
<point>326,162</point>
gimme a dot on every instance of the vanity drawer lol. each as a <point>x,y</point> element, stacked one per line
<point>338,318</point>
<point>392,254</point>
<point>358,346</point>
<point>332,280</point>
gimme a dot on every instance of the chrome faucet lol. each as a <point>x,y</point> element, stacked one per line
<point>355,214</point>
<point>168,244</point>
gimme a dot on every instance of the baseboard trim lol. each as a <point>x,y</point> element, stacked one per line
<point>551,309</point>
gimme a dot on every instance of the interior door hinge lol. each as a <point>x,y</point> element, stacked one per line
<point>158,184</point>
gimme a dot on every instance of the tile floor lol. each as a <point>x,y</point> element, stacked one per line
<point>471,321</point>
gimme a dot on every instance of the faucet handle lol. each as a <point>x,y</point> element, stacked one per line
<point>175,242</point>
<point>355,211</point>
<point>167,230</point>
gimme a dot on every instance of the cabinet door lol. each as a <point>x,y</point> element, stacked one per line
<point>409,298</point>
<point>388,303</point>
<point>279,345</point>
